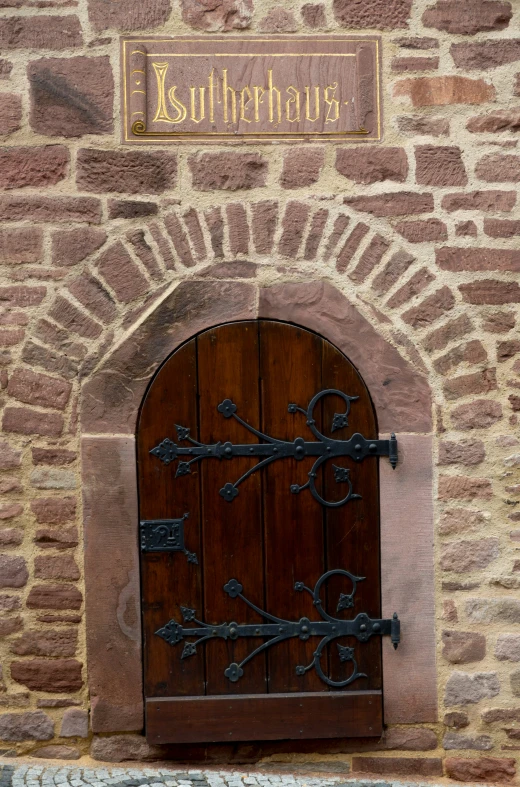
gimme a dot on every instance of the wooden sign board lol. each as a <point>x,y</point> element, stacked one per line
<point>258,89</point>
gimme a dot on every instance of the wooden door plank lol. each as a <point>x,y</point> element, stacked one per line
<point>290,367</point>
<point>268,717</point>
<point>168,580</point>
<point>232,531</point>
<point>353,529</point>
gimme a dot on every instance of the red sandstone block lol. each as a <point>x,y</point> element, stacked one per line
<point>493,122</point>
<point>54,597</point>
<point>499,322</point>
<point>439,166</point>
<point>425,231</point>
<point>372,164</point>
<point>302,167</point>
<point>314,15</point>
<point>56,567</point>
<point>54,510</point>
<point>407,64</point>
<point>468,452</point>
<point>461,557</point>
<point>370,258</point>
<point>498,168</point>
<point>430,309</point>
<point>466,229</point>
<point>10,113</point>
<point>445,90</point>
<point>131,209</point>
<point>486,54</point>
<point>493,770</point>
<point>278,20</point>
<point>381,14</point>
<point>32,166</point>
<point>502,228</point>
<point>468,17</point>
<point>127,14</point>
<point>40,32</point>
<point>413,287</point>
<point>66,314</point>
<point>192,223</point>
<point>471,352</point>
<point>57,538</point>
<point>53,456</point>
<point>417,42</point>
<point>340,225</point>
<point>179,239</point>
<point>20,244</point>
<point>351,246</point>
<point>53,642</point>
<point>8,338</point>
<point>55,675</point>
<point>398,203</point>
<point>294,224</point>
<point>215,223</point>
<point>392,272</point>
<point>228,171</point>
<point>22,420</point>
<point>416,125</point>
<point>162,245</point>
<point>134,172</point>
<point>480,200</point>
<point>479,414</point>
<point>91,293</point>
<point>490,291</point>
<point>50,209</point>
<point>213,17</point>
<point>315,234</point>
<point>398,766</point>
<point>238,228</point>
<point>264,223</point>
<point>121,273</point>
<point>145,253</point>
<point>506,350</point>
<point>480,259</point>
<point>481,382</point>
<point>71,96</point>
<point>33,388</point>
<point>9,457</point>
<point>464,488</point>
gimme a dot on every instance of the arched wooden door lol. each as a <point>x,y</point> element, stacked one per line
<point>259,540</point>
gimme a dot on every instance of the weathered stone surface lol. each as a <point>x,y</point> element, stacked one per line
<point>121,273</point>
<point>425,231</point>
<point>10,625</point>
<point>471,352</point>
<point>508,647</point>
<point>74,723</point>
<point>502,228</point>
<point>54,597</point>
<point>417,125</point>
<point>313,14</point>
<point>491,200</point>
<point>413,286</point>
<point>492,715</point>
<point>9,457</point>
<point>60,642</point>
<point>13,571</point>
<point>71,96</point>
<point>54,510</point>
<point>486,54</point>
<point>500,120</point>
<point>497,610</point>
<point>119,748</point>
<point>444,90</point>
<point>217,15</point>
<point>430,309</point>
<point>301,168</point>
<point>464,488</point>
<point>404,65</point>
<point>398,766</point>
<point>57,752</point>
<point>496,167</point>
<point>20,245</point>
<point>10,510</point>
<point>479,414</point>
<point>90,292</point>
<point>31,726</point>
<point>134,171</point>
<point>439,166</point>
<point>10,113</point>
<point>53,209</point>
<point>456,719</point>
<point>72,246</point>
<point>463,647</point>
<point>453,740</point>
<point>410,739</point>
<point>127,14</point>
<point>392,272</point>
<point>467,17</point>
<point>491,291</point>
<point>34,388</point>
<point>74,319</point>
<point>278,20</point>
<point>56,675</point>
<point>40,32</point>
<point>506,350</point>
<point>464,688</point>
<point>11,537</point>
<point>381,14</point>
<point>481,769</point>
<point>228,171</point>
<point>131,209</point>
<point>56,567</point>
<point>454,258</point>
<point>372,164</point>
<point>468,452</point>
<point>477,383</point>
<point>294,223</point>
<point>466,229</point>
<point>462,556</point>
<point>400,203</point>
<point>34,166</point>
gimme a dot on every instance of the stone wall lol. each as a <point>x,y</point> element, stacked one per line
<point>420,232</point>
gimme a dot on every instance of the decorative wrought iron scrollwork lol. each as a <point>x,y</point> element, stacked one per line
<point>272,449</point>
<point>329,628</point>
<point>164,535</point>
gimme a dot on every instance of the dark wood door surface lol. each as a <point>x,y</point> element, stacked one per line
<point>250,554</point>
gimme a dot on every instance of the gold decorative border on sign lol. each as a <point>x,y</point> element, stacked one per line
<point>136,100</point>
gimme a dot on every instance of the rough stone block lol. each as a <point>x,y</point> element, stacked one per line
<point>302,167</point>
<point>31,726</point>
<point>72,246</point>
<point>381,14</point>
<point>228,171</point>
<point>39,389</point>
<point>54,675</point>
<point>34,166</point>
<point>74,723</point>
<point>508,647</point>
<point>217,16</point>
<point>481,769</point>
<point>40,32</point>
<point>464,688</point>
<point>13,571</point>
<point>444,90</point>
<point>467,17</point>
<point>10,112</point>
<point>133,172</point>
<point>439,166</point>
<point>463,556</point>
<point>372,164</point>
<point>463,647</point>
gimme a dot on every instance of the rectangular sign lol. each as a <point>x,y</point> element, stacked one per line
<point>259,89</point>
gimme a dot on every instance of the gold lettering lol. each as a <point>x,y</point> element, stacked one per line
<point>294,100</point>
<point>258,92</point>
<point>332,103</point>
<point>225,89</point>
<point>308,103</point>
<point>211,97</point>
<point>202,102</point>
<point>177,105</point>
<point>161,112</point>
<point>271,90</point>
<point>243,103</point>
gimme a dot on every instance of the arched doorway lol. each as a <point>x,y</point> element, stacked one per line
<point>259,532</point>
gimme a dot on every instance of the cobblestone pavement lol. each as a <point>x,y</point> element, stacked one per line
<point>46,775</point>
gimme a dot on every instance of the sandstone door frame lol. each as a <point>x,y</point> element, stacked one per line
<point>111,398</point>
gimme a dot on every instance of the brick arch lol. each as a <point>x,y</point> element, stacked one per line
<point>110,402</point>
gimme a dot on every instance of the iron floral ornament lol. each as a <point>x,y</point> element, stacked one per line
<point>271,449</point>
<point>329,628</point>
